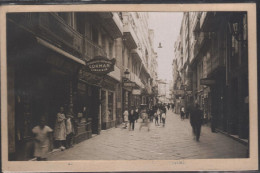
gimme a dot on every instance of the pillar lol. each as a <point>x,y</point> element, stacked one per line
<point>11,110</point>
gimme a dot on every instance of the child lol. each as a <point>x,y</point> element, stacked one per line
<point>41,141</point>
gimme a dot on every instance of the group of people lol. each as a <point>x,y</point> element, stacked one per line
<point>147,115</point>
<point>64,131</point>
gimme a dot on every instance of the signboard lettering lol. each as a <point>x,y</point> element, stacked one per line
<point>136,92</point>
<point>100,65</point>
<point>129,84</point>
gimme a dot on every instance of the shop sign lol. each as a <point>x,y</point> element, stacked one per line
<point>129,84</point>
<point>100,65</point>
<point>179,92</point>
<point>136,92</point>
<point>207,82</point>
<point>189,92</point>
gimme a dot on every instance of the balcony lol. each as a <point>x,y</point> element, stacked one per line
<point>214,64</point>
<point>112,23</point>
<point>137,54</point>
<point>135,79</point>
<point>195,48</point>
<point>53,29</point>
<point>92,49</point>
<point>130,37</point>
<point>203,39</point>
<point>209,21</point>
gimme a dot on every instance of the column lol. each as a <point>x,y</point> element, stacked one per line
<point>11,110</point>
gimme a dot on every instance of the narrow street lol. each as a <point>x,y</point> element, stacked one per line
<point>174,141</point>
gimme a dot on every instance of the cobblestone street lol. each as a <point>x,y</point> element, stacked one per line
<point>174,141</point>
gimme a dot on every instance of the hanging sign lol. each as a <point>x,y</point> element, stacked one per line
<point>178,92</point>
<point>207,81</point>
<point>100,65</point>
<point>129,84</point>
<point>136,92</point>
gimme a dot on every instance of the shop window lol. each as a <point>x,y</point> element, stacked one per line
<point>110,105</point>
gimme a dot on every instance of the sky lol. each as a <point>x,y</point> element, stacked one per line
<point>166,26</point>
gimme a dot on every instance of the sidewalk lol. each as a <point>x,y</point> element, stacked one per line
<point>174,141</point>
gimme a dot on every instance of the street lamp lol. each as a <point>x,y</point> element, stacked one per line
<point>126,75</point>
<point>160,45</point>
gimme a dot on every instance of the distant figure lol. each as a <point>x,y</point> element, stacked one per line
<point>151,112</point>
<point>60,129</point>
<point>145,120</point>
<point>173,107</point>
<point>182,113</point>
<point>131,119</point>
<point>41,140</point>
<point>168,106</point>
<point>196,116</point>
<point>156,118</point>
<point>136,114</point>
<point>158,115</point>
<point>163,118</point>
<point>126,114</point>
<point>70,128</point>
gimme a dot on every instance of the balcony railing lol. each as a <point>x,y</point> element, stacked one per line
<point>206,21</point>
<point>112,23</point>
<point>135,79</point>
<point>52,28</point>
<point>137,53</point>
<point>130,37</point>
<point>60,31</point>
<point>92,50</point>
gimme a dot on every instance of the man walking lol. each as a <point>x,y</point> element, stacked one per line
<point>196,116</point>
<point>131,119</point>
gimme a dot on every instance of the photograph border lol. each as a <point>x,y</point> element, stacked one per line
<point>250,163</point>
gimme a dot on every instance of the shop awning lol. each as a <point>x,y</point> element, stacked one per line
<point>56,49</point>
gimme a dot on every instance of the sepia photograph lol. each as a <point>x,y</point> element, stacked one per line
<point>128,85</point>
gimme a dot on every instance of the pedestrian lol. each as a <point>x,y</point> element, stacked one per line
<point>125,118</point>
<point>172,107</point>
<point>158,114</point>
<point>168,106</point>
<point>196,116</point>
<point>163,118</point>
<point>41,140</point>
<point>131,118</point>
<point>69,129</point>
<point>145,120</point>
<point>151,115</point>
<point>156,118</point>
<point>161,111</point>
<point>182,113</point>
<point>136,114</point>
<point>60,129</point>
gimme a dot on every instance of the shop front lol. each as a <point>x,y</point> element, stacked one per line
<point>40,81</point>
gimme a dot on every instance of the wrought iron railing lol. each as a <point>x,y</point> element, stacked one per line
<point>92,49</point>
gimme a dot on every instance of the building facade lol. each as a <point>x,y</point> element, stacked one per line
<point>47,55</point>
<point>218,60</point>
